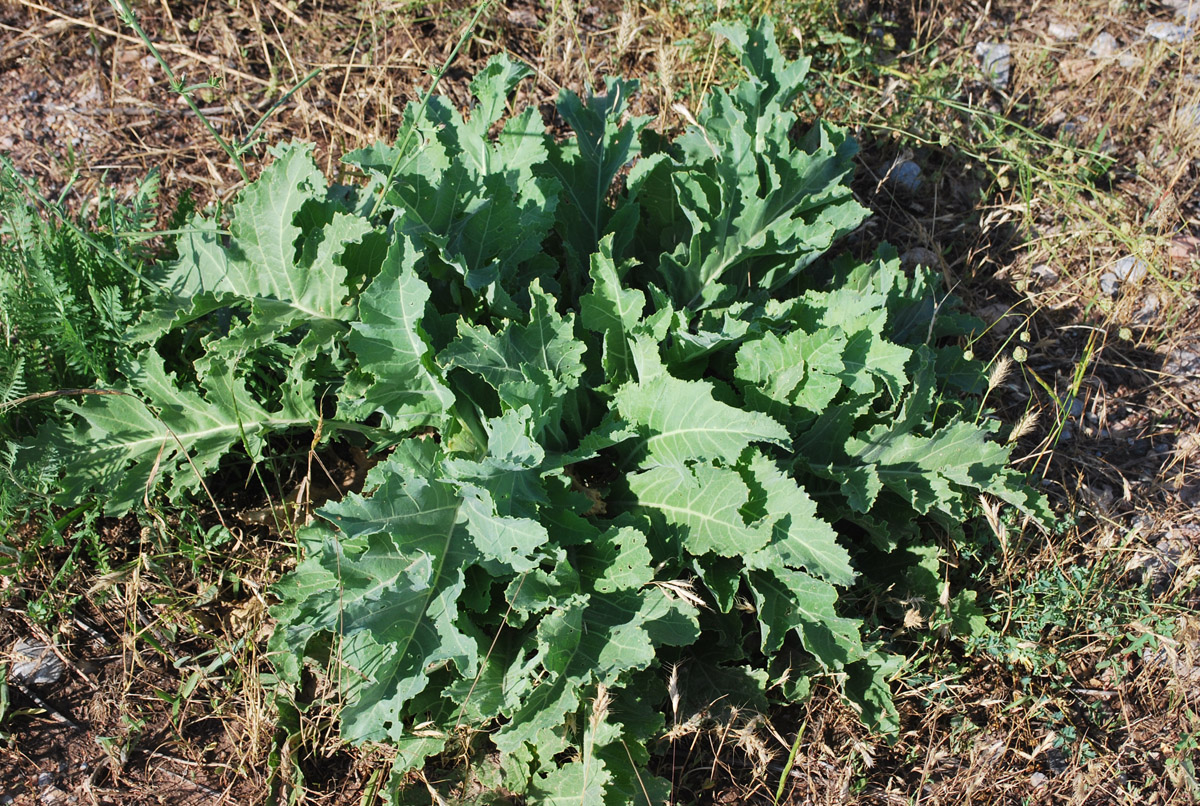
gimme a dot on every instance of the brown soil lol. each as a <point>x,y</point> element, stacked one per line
<point>83,106</point>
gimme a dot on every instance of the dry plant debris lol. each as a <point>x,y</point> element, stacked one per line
<point>1031,194</point>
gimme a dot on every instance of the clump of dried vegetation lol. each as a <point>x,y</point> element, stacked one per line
<point>1061,206</point>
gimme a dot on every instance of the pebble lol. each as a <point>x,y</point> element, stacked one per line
<point>1062,31</point>
<point>1044,275</point>
<point>1168,32</point>
<point>920,256</point>
<point>1128,269</point>
<point>1189,115</point>
<point>45,779</point>
<point>1149,309</point>
<point>34,662</point>
<point>1103,46</point>
<point>1182,363</point>
<point>905,174</point>
<point>1189,10</point>
<point>995,59</point>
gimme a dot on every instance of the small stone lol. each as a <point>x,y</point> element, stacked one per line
<point>45,779</point>
<point>1149,309</point>
<point>1043,275</point>
<point>1126,270</point>
<point>1128,60</point>
<point>1062,31</point>
<point>1189,115</point>
<point>1038,779</point>
<point>920,256</point>
<point>995,59</point>
<point>905,174</point>
<point>1103,46</point>
<point>1129,269</point>
<point>35,663</point>
<point>1189,10</point>
<point>1168,32</point>
<point>1182,363</point>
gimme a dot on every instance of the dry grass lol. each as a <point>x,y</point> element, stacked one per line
<point>1090,690</point>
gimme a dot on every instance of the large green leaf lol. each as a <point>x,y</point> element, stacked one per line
<point>387,588</point>
<point>613,311</point>
<point>706,502</point>
<point>160,432</point>
<point>284,256</point>
<point>682,420</point>
<point>532,364</point>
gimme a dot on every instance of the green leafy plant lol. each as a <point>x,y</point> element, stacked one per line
<point>627,414</point>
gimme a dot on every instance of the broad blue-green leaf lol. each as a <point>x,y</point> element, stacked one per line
<point>617,560</point>
<point>392,348</point>
<point>284,261</point>
<point>760,210</point>
<point>612,311</point>
<point>682,421</point>
<point>123,444</point>
<point>388,590</point>
<point>788,600</point>
<point>706,502</point>
<point>800,539</point>
<point>528,365</point>
<point>595,639</point>
<point>587,165</point>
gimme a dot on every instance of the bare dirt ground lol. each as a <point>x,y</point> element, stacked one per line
<point>1095,698</point>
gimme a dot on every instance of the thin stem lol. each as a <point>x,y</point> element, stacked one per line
<point>437,78</point>
<point>127,16</point>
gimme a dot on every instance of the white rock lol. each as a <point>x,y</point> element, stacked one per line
<point>1062,31</point>
<point>1168,32</point>
<point>1103,46</point>
<point>1126,270</point>
<point>35,662</point>
<point>1189,115</point>
<point>995,59</point>
<point>1189,10</point>
<point>1129,269</point>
